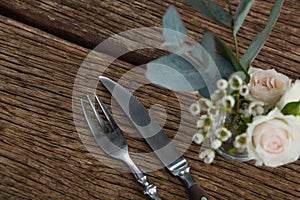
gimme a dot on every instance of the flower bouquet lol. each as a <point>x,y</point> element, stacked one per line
<point>244,113</point>
<point>259,120</point>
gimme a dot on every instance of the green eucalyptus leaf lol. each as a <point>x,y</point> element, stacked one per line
<point>174,32</point>
<point>259,41</point>
<point>208,43</point>
<point>191,71</point>
<point>227,53</point>
<point>212,11</point>
<point>205,65</point>
<point>292,108</point>
<point>204,92</point>
<point>241,14</point>
<point>175,73</point>
<point>224,66</point>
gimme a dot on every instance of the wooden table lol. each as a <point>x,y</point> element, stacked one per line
<point>42,45</point>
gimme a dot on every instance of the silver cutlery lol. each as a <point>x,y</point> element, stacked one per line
<point>164,149</point>
<point>114,144</point>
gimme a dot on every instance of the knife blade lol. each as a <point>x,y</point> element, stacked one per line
<point>154,135</point>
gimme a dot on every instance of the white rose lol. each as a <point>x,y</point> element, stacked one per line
<point>267,85</point>
<point>291,95</point>
<point>274,139</point>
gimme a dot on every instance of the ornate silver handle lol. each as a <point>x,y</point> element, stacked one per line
<point>149,189</point>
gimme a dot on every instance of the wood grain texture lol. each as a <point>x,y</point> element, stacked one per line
<point>41,154</point>
<point>90,22</point>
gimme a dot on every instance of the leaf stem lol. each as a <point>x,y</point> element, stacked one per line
<point>236,45</point>
<point>230,9</point>
<point>236,114</point>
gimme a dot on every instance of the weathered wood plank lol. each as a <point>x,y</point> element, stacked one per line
<point>43,157</point>
<point>41,154</point>
<point>36,119</point>
<point>90,22</point>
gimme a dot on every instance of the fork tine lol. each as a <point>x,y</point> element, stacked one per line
<point>99,118</point>
<point>89,119</point>
<point>106,113</point>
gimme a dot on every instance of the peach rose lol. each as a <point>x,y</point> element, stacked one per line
<point>267,85</point>
<point>274,139</point>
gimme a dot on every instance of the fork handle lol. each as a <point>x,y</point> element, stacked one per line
<point>149,189</point>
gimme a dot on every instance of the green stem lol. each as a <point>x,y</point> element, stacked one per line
<point>236,114</point>
<point>230,9</point>
<point>238,103</point>
<point>236,45</point>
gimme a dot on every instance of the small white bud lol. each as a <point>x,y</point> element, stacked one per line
<point>244,112</point>
<point>211,154</point>
<point>235,82</point>
<point>195,108</point>
<point>198,138</point>
<point>217,95</point>
<point>195,93</point>
<point>223,134</point>
<point>213,111</point>
<point>204,104</point>
<point>222,84</point>
<point>204,153</point>
<point>259,110</point>
<point>240,141</point>
<point>216,144</point>
<point>253,107</point>
<point>228,101</point>
<point>210,157</point>
<point>200,123</point>
<point>206,120</point>
<point>244,90</point>
<point>258,163</point>
<point>203,117</point>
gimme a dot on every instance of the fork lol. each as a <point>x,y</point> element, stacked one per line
<point>114,144</point>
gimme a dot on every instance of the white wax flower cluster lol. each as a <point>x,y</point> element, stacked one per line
<point>257,125</point>
<point>221,100</point>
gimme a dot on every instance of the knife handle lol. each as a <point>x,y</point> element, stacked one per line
<point>195,191</point>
